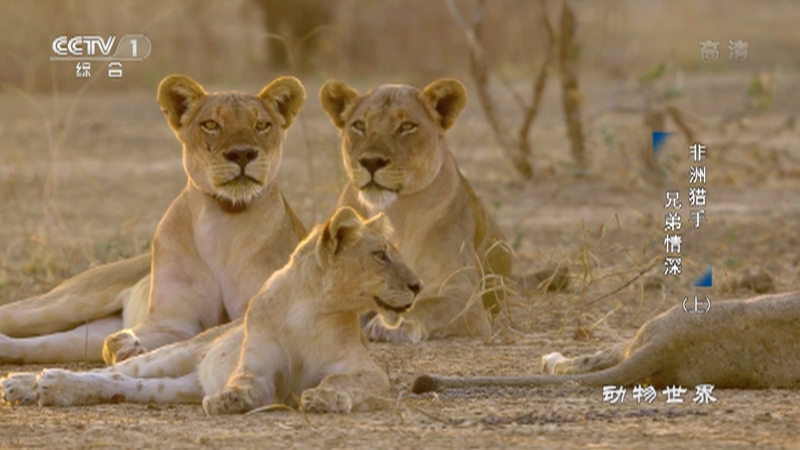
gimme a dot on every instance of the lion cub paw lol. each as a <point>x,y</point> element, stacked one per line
<point>17,388</point>
<point>120,346</point>
<point>406,331</point>
<point>550,361</point>
<point>232,400</point>
<point>326,400</point>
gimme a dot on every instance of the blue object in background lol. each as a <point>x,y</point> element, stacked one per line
<point>705,279</point>
<point>659,139</point>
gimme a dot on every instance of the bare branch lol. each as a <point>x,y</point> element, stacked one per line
<point>472,39</point>
<point>540,83</point>
<point>480,75</point>
<point>570,94</point>
<point>677,116</point>
<point>316,31</point>
<point>514,94</point>
<point>641,272</point>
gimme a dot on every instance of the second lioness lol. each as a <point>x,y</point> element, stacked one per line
<point>393,144</point>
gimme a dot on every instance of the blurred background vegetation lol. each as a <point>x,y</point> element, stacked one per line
<point>632,67</point>
<point>244,41</point>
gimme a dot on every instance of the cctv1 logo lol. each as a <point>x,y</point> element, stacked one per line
<point>131,47</point>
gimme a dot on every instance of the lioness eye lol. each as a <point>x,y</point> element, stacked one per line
<point>406,127</point>
<point>209,125</point>
<point>263,126</point>
<point>360,126</point>
<point>380,255</point>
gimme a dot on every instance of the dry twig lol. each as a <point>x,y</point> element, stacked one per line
<point>570,94</point>
<point>540,83</point>
<point>520,151</point>
<point>480,75</point>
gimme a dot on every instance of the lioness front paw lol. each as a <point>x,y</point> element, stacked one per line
<point>120,346</point>
<point>326,400</point>
<point>407,331</point>
<point>59,387</point>
<point>232,400</point>
<point>17,388</point>
<point>550,360</point>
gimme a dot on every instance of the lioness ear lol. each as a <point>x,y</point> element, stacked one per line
<point>344,226</point>
<point>175,94</point>
<point>287,95</point>
<point>448,97</point>
<point>335,96</point>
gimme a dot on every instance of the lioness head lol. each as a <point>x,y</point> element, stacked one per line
<point>231,140</point>
<point>360,264</point>
<point>393,136</point>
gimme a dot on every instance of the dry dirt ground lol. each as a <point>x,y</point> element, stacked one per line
<point>86,182</point>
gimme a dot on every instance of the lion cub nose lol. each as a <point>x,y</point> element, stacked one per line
<point>372,164</point>
<point>241,156</point>
<point>416,288</point>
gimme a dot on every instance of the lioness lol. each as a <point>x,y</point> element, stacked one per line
<point>746,344</point>
<point>300,338</point>
<point>393,144</point>
<point>220,239</point>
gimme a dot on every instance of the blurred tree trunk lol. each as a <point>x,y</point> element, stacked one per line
<point>293,29</point>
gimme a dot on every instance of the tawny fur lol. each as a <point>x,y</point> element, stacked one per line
<point>746,344</point>
<point>394,150</point>
<point>226,232</point>
<point>300,338</point>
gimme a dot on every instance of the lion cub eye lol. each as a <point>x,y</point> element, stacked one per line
<point>360,126</point>
<point>407,127</point>
<point>209,125</point>
<point>263,127</point>
<point>380,255</point>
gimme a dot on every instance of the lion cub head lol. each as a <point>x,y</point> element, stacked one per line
<point>232,142</point>
<point>359,264</point>
<point>393,136</point>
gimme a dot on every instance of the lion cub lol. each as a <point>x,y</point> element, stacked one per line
<point>225,233</point>
<point>300,337</point>
<point>395,154</point>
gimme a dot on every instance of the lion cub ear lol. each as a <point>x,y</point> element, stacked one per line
<point>287,95</point>
<point>380,224</point>
<point>448,97</point>
<point>345,226</point>
<point>335,97</point>
<point>175,94</point>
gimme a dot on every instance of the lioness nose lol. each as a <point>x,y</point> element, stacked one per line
<point>372,164</point>
<point>416,288</point>
<point>241,156</point>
